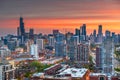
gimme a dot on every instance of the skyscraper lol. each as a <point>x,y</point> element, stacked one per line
<point>77,32</point>
<point>83,31</point>
<point>60,46</point>
<point>40,43</point>
<point>100,30</point>
<point>51,41</point>
<point>20,29</point>
<point>107,56</point>
<point>107,34</point>
<point>31,33</point>
<point>99,57</point>
<point>100,34</point>
<point>72,47</point>
<point>82,56</point>
<point>34,50</point>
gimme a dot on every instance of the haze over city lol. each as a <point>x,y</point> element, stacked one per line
<point>46,15</point>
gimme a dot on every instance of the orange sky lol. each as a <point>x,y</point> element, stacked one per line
<point>47,25</point>
<point>65,15</point>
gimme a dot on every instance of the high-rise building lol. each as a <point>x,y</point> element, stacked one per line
<point>82,56</point>
<point>31,33</point>
<point>94,35</point>
<point>22,30</point>
<point>40,43</point>
<point>55,32</point>
<point>99,58</point>
<point>51,41</point>
<point>1,43</point>
<point>72,47</point>
<point>100,30</point>
<point>77,32</point>
<point>107,56</point>
<point>28,44</point>
<point>60,46</point>
<point>107,34</point>
<point>34,51</point>
<point>115,38</point>
<point>68,36</point>
<point>12,44</point>
<point>100,34</point>
<point>18,31</point>
<point>118,38</point>
<point>83,31</point>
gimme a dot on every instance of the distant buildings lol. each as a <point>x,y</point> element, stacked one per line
<point>83,33</point>
<point>107,34</point>
<point>100,34</point>
<point>31,34</point>
<point>79,50</point>
<point>21,29</point>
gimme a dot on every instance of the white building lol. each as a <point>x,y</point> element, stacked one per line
<point>76,73</point>
<point>4,52</point>
<point>34,50</point>
<point>51,41</point>
<point>28,44</point>
<point>40,43</point>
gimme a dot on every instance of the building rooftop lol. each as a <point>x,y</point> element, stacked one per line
<point>38,74</point>
<point>97,74</point>
<point>54,77</point>
<point>51,61</point>
<point>75,72</point>
<point>51,67</point>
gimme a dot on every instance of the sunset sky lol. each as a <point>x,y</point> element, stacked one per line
<point>65,15</point>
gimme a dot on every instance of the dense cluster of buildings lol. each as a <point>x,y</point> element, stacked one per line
<point>57,49</point>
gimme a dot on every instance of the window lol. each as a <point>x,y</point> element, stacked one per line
<point>102,78</point>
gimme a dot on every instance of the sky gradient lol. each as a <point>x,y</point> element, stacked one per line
<point>66,15</point>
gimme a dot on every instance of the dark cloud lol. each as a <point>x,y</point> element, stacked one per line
<point>54,8</point>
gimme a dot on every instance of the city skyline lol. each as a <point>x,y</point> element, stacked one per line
<point>45,15</point>
<point>59,39</point>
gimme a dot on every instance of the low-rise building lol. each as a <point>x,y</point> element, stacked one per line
<point>53,69</point>
<point>76,73</point>
<point>6,72</point>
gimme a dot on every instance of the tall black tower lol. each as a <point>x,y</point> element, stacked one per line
<point>100,30</point>
<point>21,27</point>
